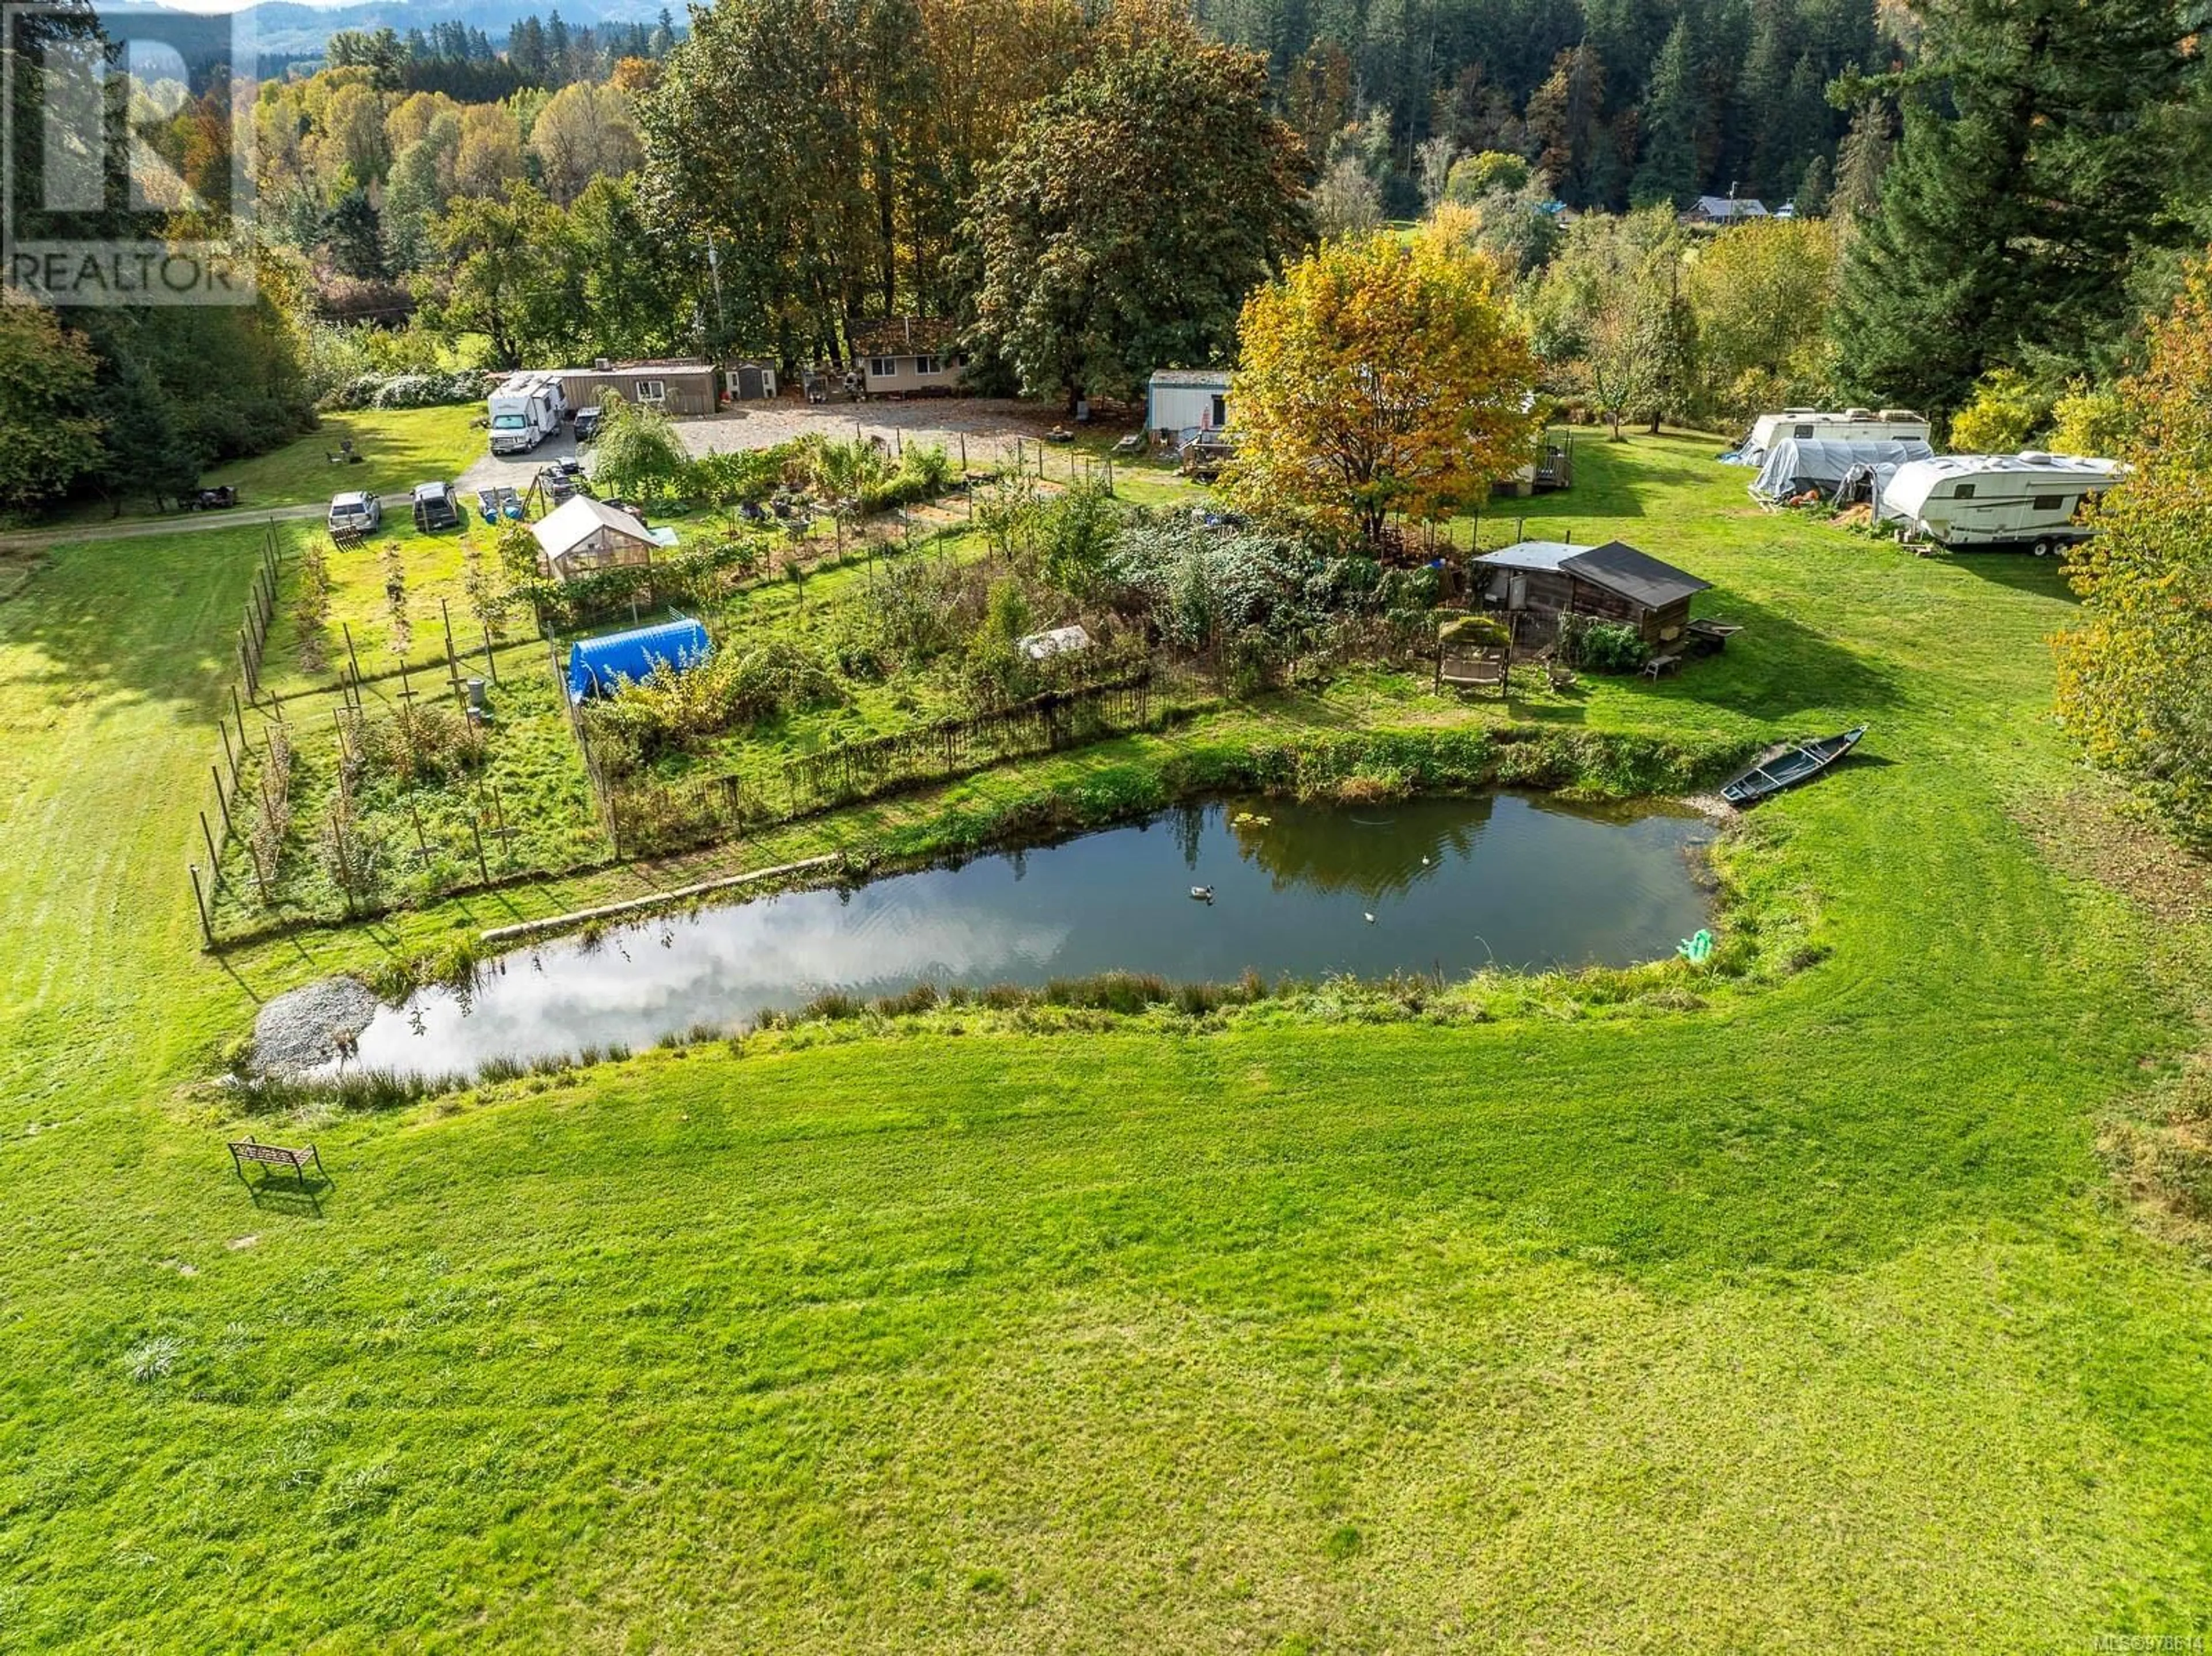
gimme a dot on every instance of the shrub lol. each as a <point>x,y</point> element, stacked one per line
<point>1602,646</point>
<point>405,390</point>
<point>425,741</point>
<point>670,709</point>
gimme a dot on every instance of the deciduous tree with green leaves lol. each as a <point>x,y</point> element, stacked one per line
<point>2134,680</point>
<point>1380,377</point>
<point>46,375</point>
<point>1130,215</point>
<point>638,454</point>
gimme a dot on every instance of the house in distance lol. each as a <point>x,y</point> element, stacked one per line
<point>1613,582</point>
<point>908,356</point>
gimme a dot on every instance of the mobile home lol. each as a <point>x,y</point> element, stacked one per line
<point>908,356</point>
<point>2026,499</point>
<point>676,385</point>
<point>1816,425</point>
<point>525,409</point>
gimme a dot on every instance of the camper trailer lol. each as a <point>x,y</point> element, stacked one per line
<point>525,411</point>
<point>2026,500</point>
<point>1815,425</point>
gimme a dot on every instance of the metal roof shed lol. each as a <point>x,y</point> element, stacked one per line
<point>599,666</point>
<point>1612,582</point>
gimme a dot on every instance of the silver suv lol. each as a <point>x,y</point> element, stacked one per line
<point>356,513</point>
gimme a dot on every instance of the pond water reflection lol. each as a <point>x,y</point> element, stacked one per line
<point>1431,885</point>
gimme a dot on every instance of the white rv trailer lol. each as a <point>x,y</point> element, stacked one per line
<point>525,411</point>
<point>2029,499</point>
<point>1846,426</point>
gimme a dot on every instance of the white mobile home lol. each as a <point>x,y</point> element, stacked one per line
<point>1182,400</point>
<point>2028,499</point>
<point>1829,426</point>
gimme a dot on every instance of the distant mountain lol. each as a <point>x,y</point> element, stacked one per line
<point>288,28</point>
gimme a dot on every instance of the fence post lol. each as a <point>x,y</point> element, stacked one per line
<point>214,863</point>
<point>199,902</point>
<point>223,801</point>
<point>230,758</point>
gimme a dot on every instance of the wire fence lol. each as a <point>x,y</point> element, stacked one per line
<point>643,815</point>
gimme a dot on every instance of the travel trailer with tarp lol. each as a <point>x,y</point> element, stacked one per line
<point>1816,425</point>
<point>1800,466</point>
<point>2028,499</point>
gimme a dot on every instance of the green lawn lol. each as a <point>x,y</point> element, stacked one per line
<point>399,448</point>
<point>1808,1320</point>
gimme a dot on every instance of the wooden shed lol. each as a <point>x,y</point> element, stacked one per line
<point>675,385</point>
<point>1612,582</point>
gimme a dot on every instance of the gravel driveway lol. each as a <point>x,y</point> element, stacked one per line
<point>988,425</point>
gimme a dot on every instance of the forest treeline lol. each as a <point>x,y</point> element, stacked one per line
<point>1991,196</point>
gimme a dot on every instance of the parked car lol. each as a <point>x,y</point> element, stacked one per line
<point>436,508</point>
<point>587,423</point>
<point>354,514</point>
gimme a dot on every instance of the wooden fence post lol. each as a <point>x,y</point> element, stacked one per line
<point>223,801</point>
<point>199,901</point>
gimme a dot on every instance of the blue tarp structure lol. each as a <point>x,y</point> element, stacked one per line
<point>597,666</point>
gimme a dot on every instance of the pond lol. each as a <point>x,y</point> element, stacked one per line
<point>1435,885</point>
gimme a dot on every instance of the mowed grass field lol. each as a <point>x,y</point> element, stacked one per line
<point>1808,1320</point>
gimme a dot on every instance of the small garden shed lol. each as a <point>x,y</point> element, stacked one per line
<point>598,666</point>
<point>1612,582</point>
<point>582,534</point>
<point>1179,400</point>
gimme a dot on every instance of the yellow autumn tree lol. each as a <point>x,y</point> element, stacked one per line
<point>2134,680</point>
<point>1380,378</point>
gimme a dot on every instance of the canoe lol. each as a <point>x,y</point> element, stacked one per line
<point>1789,764</point>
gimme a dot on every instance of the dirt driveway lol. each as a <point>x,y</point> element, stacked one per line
<point>986,426</point>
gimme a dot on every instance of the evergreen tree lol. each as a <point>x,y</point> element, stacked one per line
<point>356,236</point>
<point>525,49</point>
<point>2033,171</point>
<point>1668,169</point>
<point>556,51</point>
<point>1812,197</point>
<point>1862,160</point>
<point>1762,103</point>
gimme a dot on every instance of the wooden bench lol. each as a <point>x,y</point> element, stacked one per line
<point>276,1155</point>
<point>1659,665</point>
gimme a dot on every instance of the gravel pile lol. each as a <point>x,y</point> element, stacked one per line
<point>301,1031</point>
